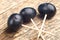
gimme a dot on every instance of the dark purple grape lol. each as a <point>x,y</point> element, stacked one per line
<point>27,14</point>
<point>47,8</point>
<point>14,23</point>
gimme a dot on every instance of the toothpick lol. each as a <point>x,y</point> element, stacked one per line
<point>29,27</point>
<point>34,24</point>
<point>42,26</point>
<point>48,32</point>
<point>42,37</point>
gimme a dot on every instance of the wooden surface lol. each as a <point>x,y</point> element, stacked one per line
<point>7,7</point>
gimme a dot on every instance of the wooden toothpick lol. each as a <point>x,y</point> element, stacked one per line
<point>42,26</point>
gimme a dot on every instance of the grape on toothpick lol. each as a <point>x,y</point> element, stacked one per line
<point>47,8</point>
<point>47,11</point>
<point>28,14</point>
<point>14,23</point>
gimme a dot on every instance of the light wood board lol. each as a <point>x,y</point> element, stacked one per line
<point>8,7</point>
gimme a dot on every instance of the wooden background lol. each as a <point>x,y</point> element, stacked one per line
<point>7,7</point>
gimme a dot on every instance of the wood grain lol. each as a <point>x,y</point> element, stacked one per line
<point>8,7</point>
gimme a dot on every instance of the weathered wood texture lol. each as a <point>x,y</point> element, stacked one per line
<point>7,7</point>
